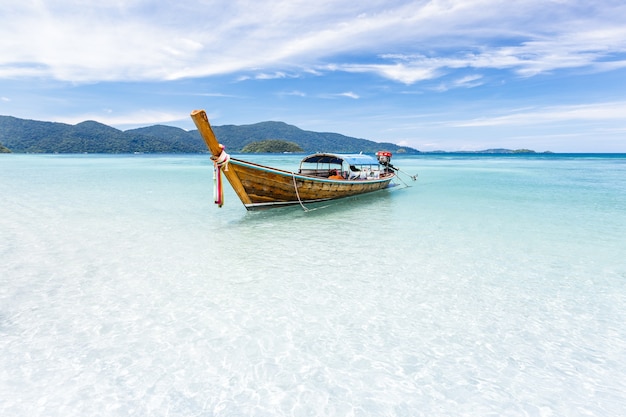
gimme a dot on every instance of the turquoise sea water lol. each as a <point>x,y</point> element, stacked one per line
<point>493,286</point>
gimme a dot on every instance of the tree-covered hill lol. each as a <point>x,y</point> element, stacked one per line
<point>272,146</point>
<point>236,137</point>
<point>180,138</point>
<point>32,136</point>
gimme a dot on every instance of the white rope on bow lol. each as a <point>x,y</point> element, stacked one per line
<point>219,162</point>
<point>222,159</point>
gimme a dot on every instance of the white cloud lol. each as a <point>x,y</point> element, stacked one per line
<point>469,81</point>
<point>217,95</point>
<point>128,119</point>
<point>349,94</point>
<point>294,93</point>
<point>407,74</point>
<point>524,117</point>
<point>84,41</point>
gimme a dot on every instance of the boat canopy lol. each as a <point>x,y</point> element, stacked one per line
<point>336,158</point>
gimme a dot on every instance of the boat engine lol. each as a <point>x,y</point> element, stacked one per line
<point>384,157</point>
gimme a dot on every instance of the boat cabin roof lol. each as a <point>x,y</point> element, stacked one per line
<point>337,158</point>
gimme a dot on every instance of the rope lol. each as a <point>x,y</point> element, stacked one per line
<point>221,160</point>
<point>402,181</point>
<point>219,163</point>
<point>399,171</point>
<point>295,185</point>
<point>413,177</point>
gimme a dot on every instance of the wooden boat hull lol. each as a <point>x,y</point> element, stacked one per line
<point>268,187</point>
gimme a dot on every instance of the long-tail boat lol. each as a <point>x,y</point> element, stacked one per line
<point>321,177</point>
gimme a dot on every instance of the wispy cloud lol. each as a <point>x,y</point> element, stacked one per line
<point>75,40</point>
<point>469,81</point>
<point>218,95</point>
<point>551,114</point>
<point>401,72</point>
<point>137,118</point>
<point>347,94</point>
<point>294,93</point>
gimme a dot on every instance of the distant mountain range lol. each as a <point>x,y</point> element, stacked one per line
<point>32,136</point>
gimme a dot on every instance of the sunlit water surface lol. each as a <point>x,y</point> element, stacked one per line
<point>493,286</point>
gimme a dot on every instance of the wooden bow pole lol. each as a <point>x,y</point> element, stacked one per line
<point>201,121</point>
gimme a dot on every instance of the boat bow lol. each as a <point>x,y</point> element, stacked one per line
<point>218,153</point>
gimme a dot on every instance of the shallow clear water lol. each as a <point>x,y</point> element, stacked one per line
<point>495,285</point>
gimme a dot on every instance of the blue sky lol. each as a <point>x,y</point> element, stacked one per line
<point>434,75</point>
